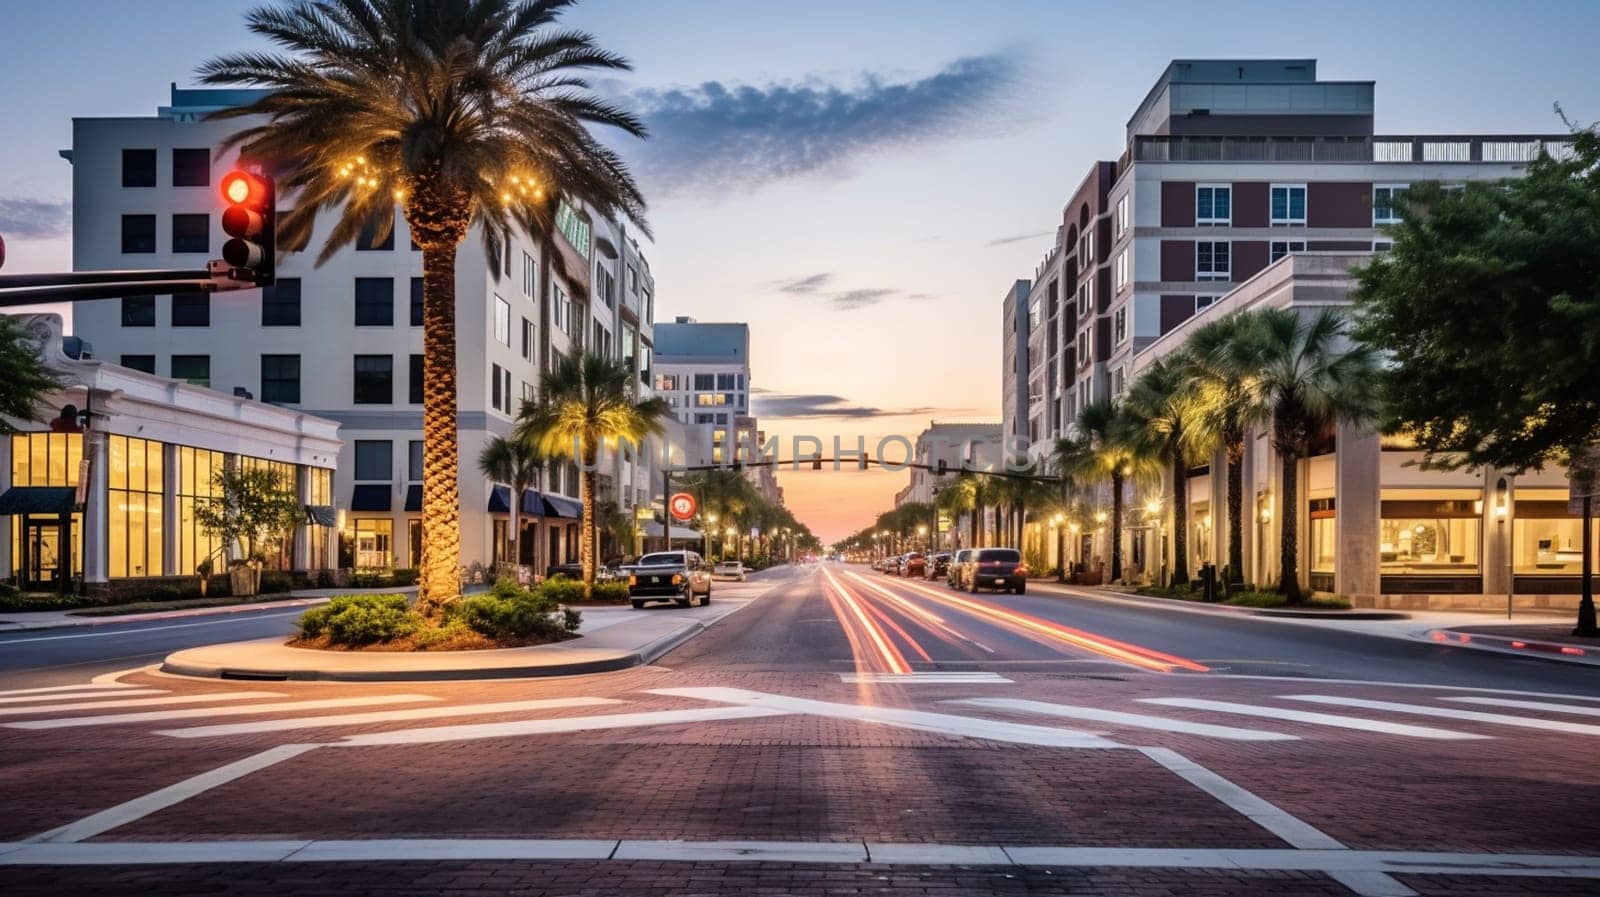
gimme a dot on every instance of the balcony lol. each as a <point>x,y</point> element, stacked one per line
<point>1438,148</point>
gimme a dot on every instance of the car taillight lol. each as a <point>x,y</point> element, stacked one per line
<point>1022,569</point>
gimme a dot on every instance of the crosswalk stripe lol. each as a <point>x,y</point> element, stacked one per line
<point>50,689</point>
<point>1121,718</point>
<point>82,695</point>
<point>356,719</point>
<point>145,716</point>
<point>1530,705</point>
<point>139,702</point>
<point>471,732</point>
<point>1316,719</point>
<point>1503,719</point>
<point>967,678</point>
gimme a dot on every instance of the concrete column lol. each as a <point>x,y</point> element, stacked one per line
<point>169,511</point>
<point>1497,533</point>
<point>1356,491</point>
<point>1218,536</point>
<point>301,552</point>
<point>95,520</point>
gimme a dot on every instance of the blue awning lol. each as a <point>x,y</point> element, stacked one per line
<point>38,500</point>
<point>321,515</point>
<point>500,502</point>
<point>371,497</point>
<point>560,506</point>
<point>414,498</point>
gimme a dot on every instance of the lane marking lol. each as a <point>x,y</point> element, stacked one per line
<point>1122,718</point>
<point>1303,680</point>
<point>743,851</point>
<point>140,807</point>
<point>385,716</point>
<point>920,720</point>
<point>1291,829</point>
<point>1528,705</point>
<point>83,695</point>
<point>52,689</point>
<point>57,638</point>
<point>1501,719</point>
<point>140,702</point>
<point>926,678</point>
<point>437,734</point>
<point>1317,719</point>
<point>115,719</point>
<point>886,650</point>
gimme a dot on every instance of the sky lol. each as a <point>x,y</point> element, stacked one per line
<point>860,180</point>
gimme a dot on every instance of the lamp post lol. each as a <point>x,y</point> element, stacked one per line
<point>730,533</point>
<point>1061,547</point>
<point>711,521</point>
<point>922,533</point>
<point>1077,544</point>
<point>1153,509</point>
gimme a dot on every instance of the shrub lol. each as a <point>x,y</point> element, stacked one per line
<point>508,612</point>
<point>609,592</point>
<point>361,620</point>
<point>13,601</point>
<point>405,576</point>
<point>273,583</point>
<point>561,590</point>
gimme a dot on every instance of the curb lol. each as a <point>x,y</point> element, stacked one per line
<point>1218,608</point>
<point>156,616</point>
<point>1503,644</point>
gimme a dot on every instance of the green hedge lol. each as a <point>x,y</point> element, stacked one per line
<point>507,614</point>
<point>361,620</point>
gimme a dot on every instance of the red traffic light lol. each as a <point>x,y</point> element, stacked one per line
<point>243,188</point>
<point>249,220</point>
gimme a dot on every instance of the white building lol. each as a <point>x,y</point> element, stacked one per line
<point>344,339</point>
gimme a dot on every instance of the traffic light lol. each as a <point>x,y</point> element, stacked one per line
<point>249,219</point>
<point>865,460</point>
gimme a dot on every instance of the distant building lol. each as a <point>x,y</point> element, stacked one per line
<point>1018,316</point>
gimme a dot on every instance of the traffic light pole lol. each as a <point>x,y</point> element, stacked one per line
<point>76,286</point>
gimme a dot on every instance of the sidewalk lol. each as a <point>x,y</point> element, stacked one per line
<point>1553,640</point>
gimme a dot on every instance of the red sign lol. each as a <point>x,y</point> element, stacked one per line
<point>682,506</point>
<point>2,252</point>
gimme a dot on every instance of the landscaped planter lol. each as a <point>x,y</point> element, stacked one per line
<point>244,580</point>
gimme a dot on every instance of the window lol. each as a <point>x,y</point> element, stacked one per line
<point>1382,245</point>
<point>496,397</point>
<point>1085,298</point>
<point>280,379</point>
<point>1119,326</point>
<point>374,543</point>
<point>1122,269</point>
<point>1436,535</point>
<point>1385,209</point>
<point>1122,216</point>
<point>705,382</point>
<point>666,382</point>
<point>529,275</point>
<point>374,379</point>
<point>1281,248</point>
<point>195,369</point>
<point>197,484</point>
<point>1119,381</point>
<point>708,399</point>
<point>633,279</point>
<point>1288,204</point>
<point>1212,260</point>
<point>416,302</point>
<point>527,339</point>
<point>138,233</point>
<point>1213,205</point>
<point>146,363</point>
<point>502,321</point>
<point>527,391</point>
<point>414,394</point>
<point>136,481</point>
<point>138,311</point>
<point>191,167</point>
<point>191,233</point>
<point>320,483</point>
<point>374,302</point>
<point>506,241</point>
<point>1546,539</point>
<point>725,381</point>
<point>1086,249</point>
<point>138,168</point>
<point>414,461</point>
<point>1083,349</point>
<point>191,309</point>
<point>374,459</point>
<point>646,310</point>
<point>368,241</point>
<point>560,308</point>
<point>280,303</point>
<point>574,228</point>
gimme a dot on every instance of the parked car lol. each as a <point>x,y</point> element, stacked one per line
<point>937,565</point>
<point>669,576</point>
<point>570,571</point>
<point>732,570</point>
<point>958,566</point>
<point>914,564</point>
<point>996,568</point>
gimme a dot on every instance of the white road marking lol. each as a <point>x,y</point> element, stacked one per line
<point>51,689</point>
<point>1530,705</point>
<point>82,695</point>
<point>140,702</point>
<point>1302,681</point>
<point>923,721</point>
<point>1500,719</point>
<point>385,716</point>
<point>926,678</point>
<point>1120,718</point>
<point>392,849</point>
<point>114,719</point>
<point>724,851</point>
<point>1317,719</point>
<point>551,726</point>
<point>232,619</point>
<point>140,807</point>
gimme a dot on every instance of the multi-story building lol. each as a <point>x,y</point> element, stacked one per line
<point>703,371</point>
<point>1235,176</point>
<point>344,338</point>
<point>1016,312</point>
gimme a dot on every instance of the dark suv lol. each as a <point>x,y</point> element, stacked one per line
<point>938,565</point>
<point>998,569</point>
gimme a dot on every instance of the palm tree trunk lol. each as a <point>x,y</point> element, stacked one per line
<point>1180,521</point>
<point>1116,526</point>
<point>1288,525</point>
<point>439,576</point>
<point>1236,512</point>
<point>586,544</point>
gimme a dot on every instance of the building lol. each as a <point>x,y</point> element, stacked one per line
<point>1016,312</point>
<point>1244,178</point>
<point>953,444</point>
<point>344,339</point>
<point>703,371</point>
<point>110,506</point>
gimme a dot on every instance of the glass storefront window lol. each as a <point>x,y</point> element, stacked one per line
<point>45,459</point>
<point>320,488</point>
<point>1437,534</point>
<point>374,543</point>
<point>1546,539</point>
<point>137,475</point>
<point>1324,544</point>
<point>197,474</point>
<point>280,555</point>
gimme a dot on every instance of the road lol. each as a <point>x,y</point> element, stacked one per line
<point>842,732</point>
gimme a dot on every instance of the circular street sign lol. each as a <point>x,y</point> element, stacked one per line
<point>2,252</point>
<point>682,506</point>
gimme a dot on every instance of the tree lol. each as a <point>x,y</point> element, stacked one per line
<point>586,403</point>
<point>1312,377</point>
<point>1157,419</point>
<point>464,113</point>
<point>24,380</point>
<point>956,498</point>
<point>1225,366</point>
<point>1100,452</point>
<point>252,507</point>
<point>516,463</point>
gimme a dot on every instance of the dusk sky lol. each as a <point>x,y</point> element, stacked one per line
<point>860,180</point>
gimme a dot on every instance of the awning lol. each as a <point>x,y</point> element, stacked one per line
<point>500,502</point>
<point>559,506</point>
<point>652,530</point>
<point>414,498</point>
<point>38,500</point>
<point>321,515</point>
<point>371,497</point>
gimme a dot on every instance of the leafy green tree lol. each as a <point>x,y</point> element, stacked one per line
<point>465,113</point>
<point>1226,365</point>
<point>253,507</point>
<point>1488,310</point>
<point>1158,419</point>
<point>24,380</point>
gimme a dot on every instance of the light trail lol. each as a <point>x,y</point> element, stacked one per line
<point>891,657</point>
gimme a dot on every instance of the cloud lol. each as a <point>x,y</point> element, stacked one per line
<point>32,219</point>
<point>853,299</point>
<point>814,285</point>
<point>717,136</point>
<point>824,405</point>
<point>803,286</point>
<point>1019,238</point>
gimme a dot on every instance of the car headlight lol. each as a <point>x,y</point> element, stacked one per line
<point>633,580</point>
<point>677,578</point>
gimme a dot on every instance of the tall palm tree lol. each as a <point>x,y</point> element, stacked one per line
<point>586,403</point>
<point>516,463</point>
<point>955,498</point>
<point>1157,417</point>
<point>1100,452</point>
<point>1226,364</point>
<point>1311,376</point>
<point>462,112</point>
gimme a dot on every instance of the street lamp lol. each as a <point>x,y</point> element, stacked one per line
<point>1153,509</point>
<point>1061,548</point>
<point>922,533</point>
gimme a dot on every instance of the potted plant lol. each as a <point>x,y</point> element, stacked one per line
<point>204,569</point>
<point>252,508</point>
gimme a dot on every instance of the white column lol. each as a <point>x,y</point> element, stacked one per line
<point>302,533</point>
<point>170,531</point>
<point>95,559</point>
<point>1356,510</point>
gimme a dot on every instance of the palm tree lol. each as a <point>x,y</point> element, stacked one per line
<point>1311,376</point>
<point>1226,366</point>
<point>516,463</point>
<point>1156,420</point>
<point>586,403</point>
<point>462,112</point>
<point>956,498</point>
<point>1099,452</point>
